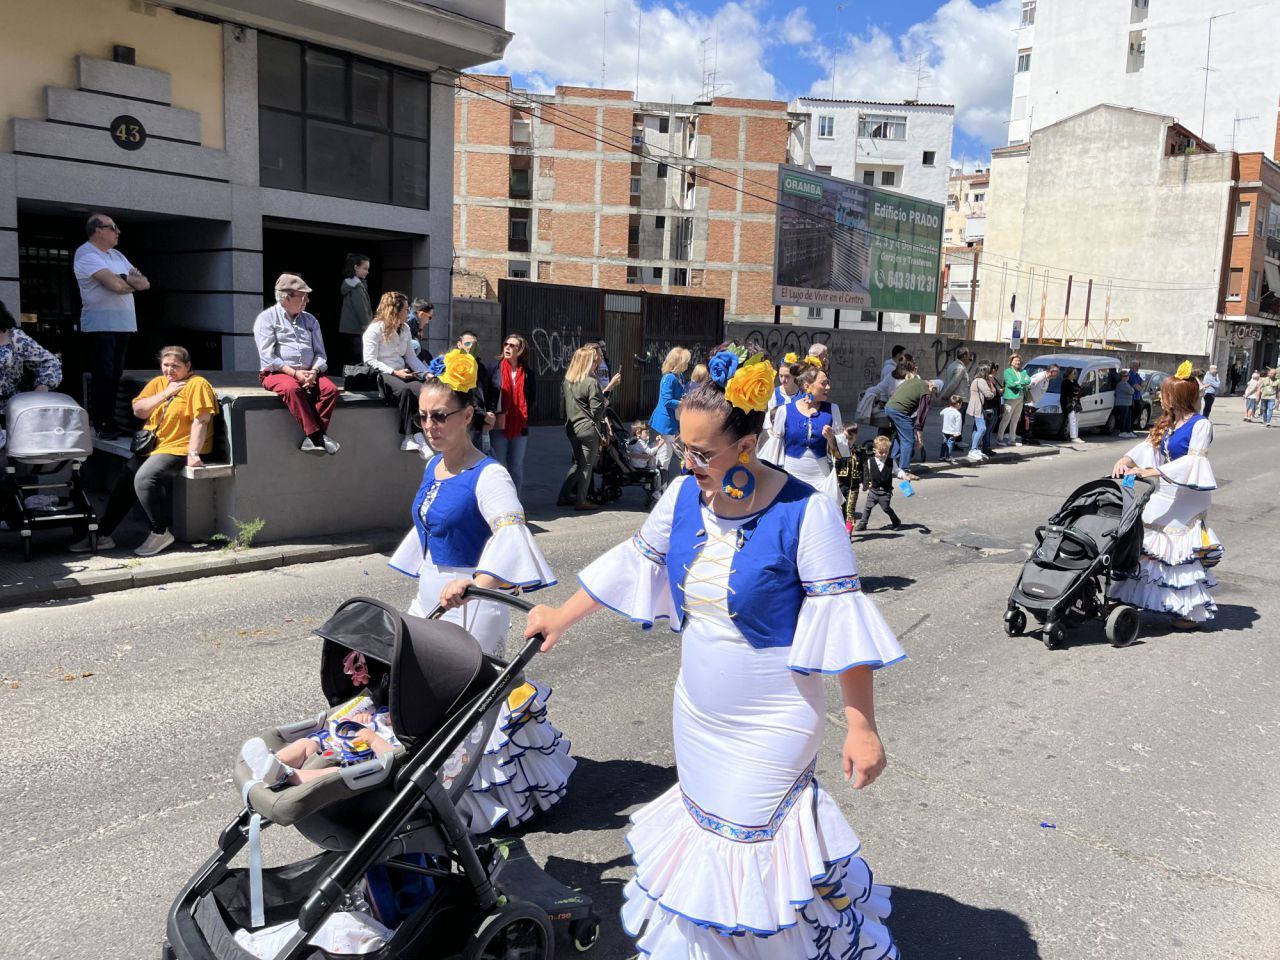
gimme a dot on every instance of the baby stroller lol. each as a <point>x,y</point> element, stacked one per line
<point>48,435</point>
<point>445,893</point>
<point>1095,534</point>
<point>614,469</point>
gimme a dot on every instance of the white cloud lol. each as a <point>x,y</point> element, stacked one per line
<point>964,54</point>
<point>559,42</point>
<point>797,28</point>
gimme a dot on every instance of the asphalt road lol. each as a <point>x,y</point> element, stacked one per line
<point>1085,802</point>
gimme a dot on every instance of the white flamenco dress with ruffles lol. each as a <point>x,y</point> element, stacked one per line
<point>526,766</point>
<point>748,856</point>
<point>1178,544</point>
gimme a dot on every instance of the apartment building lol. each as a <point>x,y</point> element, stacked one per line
<point>1141,262</point>
<point>1250,301</point>
<point>902,146</point>
<point>231,140</point>
<point>966,218</point>
<point>589,186</point>
<point>1196,62</point>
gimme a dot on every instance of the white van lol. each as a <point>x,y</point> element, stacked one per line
<point>1097,379</point>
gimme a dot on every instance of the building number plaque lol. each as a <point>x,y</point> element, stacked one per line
<point>128,132</point>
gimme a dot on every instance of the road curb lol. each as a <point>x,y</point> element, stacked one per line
<point>1005,456</point>
<point>221,563</point>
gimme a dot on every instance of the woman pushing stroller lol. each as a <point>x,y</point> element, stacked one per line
<point>469,528</point>
<point>1178,545</point>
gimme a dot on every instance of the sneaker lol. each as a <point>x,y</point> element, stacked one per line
<point>975,456</point>
<point>1017,443</point>
<point>155,543</point>
<point>308,446</point>
<point>331,446</point>
<point>83,546</point>
<point>408,445</point>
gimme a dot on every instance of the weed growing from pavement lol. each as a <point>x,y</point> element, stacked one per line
<point>246,530</point>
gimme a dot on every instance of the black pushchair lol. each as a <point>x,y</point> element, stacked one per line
<point>1094,535</point>
<point>614,469</point>
<point>453,895</point>
<point>49,441</point>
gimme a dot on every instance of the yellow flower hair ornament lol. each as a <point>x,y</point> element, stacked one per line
<point>1184,370</point>
<point>747,380</point>
<point>456,370</point>
<point>813,361</point>
<point>790,358</point>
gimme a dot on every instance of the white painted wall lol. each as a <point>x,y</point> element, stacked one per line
<point>1095,197</point>
<point>1081,51</point>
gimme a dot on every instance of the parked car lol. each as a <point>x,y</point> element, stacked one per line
<point>1097,379</point>
<point>1149,399</point>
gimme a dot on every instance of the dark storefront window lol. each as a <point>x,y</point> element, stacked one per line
<point>334,124</point>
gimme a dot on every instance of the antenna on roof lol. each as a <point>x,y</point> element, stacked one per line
<point>604,39</point>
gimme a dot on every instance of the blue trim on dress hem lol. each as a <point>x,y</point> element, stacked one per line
<point>645,624</point>
<point>873,664</point>
<point>528,586</point>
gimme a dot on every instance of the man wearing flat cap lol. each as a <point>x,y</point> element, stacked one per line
<point>293,359</point>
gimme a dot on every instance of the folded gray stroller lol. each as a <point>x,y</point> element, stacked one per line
<point>49,440</point>
<point>392,844</point>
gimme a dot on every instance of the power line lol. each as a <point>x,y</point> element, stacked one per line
<point>573,125</point>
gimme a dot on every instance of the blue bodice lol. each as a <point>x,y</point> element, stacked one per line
<point>765,589</point>
<point>447,516</point>
<point>804,434</point>
<point>1177,443</point>
<point>780,398</point>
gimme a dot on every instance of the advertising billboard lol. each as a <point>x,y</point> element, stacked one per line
<point>850,246</point>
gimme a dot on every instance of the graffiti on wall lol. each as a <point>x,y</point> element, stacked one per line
<point>553,349</point>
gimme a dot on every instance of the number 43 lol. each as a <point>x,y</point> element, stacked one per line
<point>129,133</point>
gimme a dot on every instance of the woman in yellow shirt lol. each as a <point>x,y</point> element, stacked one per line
<point>178,408</point>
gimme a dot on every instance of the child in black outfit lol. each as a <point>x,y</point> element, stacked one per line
<point>878,479</point>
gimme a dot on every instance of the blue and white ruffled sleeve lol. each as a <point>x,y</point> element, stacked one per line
<point>631,579</point>
<point>510,554</point>
<point>840,627</point>
<point>1193,470</point>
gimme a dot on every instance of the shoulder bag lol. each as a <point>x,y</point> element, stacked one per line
<point>144,441</point>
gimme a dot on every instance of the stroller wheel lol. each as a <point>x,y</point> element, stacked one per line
<point>1122,626</point>
<point>1054,635</point>
<point>515,931</point>
<point>585,933</point>
<point>1015,623</point>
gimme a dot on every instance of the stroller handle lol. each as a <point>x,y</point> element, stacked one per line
<point>473,592</point>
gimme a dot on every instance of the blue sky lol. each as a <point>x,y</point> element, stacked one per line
<point>958,51</point>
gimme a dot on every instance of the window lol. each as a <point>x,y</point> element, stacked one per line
<point>518,231</point>
<point>633,274</point>
<point>929,158</point>
<point>659,223</point>
<point>637,138</point>
<point>815,313</point>
<point>679,277</point>
<point>341,126</point>
<point>521,131</point>
<point>1235,283</point>
<point>1139,11</point>
<point>657,273</point>
<point>519,228</point>
<point>664,124</point>
<point>338,125</point>
<point>953,202</point>
<point>888,178</point>
<point>633,233</point>
<point>1024,61</point>
<point>979,197</point>
<point>662,171</point>
<point>1243,209</point>
<point>826,127</point>
<point>1137,51</point>
<point>1255,285</point>
<point>819,168</point>
<point>518,269</point>
<point>519,184</point>
<point>869,177</point>
<point>1028,13</point>
<point>1088,383</point>
<point>948,236</point>
<point>635,185</point>
<point>882,127</point>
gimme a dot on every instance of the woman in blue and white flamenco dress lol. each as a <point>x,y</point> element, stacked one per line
<point>748,857</point>
<point>1178,545</point>
<point>469,527</point>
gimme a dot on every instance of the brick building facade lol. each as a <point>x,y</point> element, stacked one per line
<point>590,187</point>
<point>1250,307</point>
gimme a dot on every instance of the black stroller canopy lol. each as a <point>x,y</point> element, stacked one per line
<point>433,666</point>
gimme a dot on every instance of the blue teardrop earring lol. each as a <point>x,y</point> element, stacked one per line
<point>739,482</point>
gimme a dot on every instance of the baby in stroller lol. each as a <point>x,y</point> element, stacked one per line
<point>643,449</point>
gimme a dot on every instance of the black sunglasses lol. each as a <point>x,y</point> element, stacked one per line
<point>434,416</point>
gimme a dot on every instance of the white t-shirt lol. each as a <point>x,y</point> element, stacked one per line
<point>952,421</point>
<point>103,311</point>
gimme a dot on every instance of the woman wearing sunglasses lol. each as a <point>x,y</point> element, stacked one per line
<point>469,527</point>
<point>755,569</point>
<point>515,387</point>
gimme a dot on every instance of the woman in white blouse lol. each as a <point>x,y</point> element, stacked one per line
<point>388,348</point>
